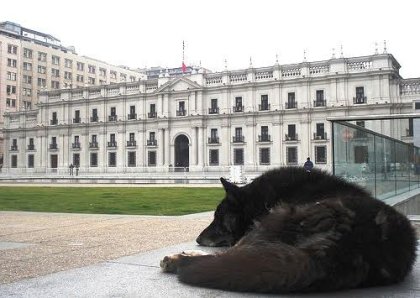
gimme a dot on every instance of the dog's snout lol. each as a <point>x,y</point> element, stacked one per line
<point>199,240</point>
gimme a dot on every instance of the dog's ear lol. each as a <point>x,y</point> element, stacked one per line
<point>230,188</point>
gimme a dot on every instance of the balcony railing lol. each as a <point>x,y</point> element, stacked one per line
<point>320,136</point>
<point>152,115</point>
<point>76,120</point>
<point>75,145</point>
<point>31,147</point>
<point>291,137</point>
<point>264,107</point>
<point>291,105</point>
<point>131,143</point>
<point>320,103</point>
<point>264,138</point>
<point>132,116</point>
<point>112,144</point>
<point>54,122</point>
<point>213,140</point>
<point>238,139</point>
<point>94,119</point>
<point>93,145</point>
<point>53,146</point>
<point>14,148</point>
<point>112,118</point>
<point>181,112</point>
<point>359,99</point>
<point>214,110</point>
<point>151,142</point>
<point>237,109</point>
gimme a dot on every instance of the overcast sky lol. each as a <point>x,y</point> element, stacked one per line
<point>150,33</point>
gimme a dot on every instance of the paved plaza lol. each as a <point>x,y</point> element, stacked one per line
<point>77,255</point>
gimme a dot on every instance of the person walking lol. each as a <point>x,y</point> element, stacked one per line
<point>308,165</point>
<point>71,169</point>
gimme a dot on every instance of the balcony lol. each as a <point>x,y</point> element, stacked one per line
<point>131,143</point>
<point>76,120</point>
<point>214,110</point>
<point>53,146</point>
<point>14,148</point>
<point>112,118</point>
<point>291,105</point>
<point>54,122</point>
<point>152,115</point>
<point>238,139</point>
<point>112,144</point>
<point>181,112</point>
<point>94,119</point>
<point>238,109</point>
<point>31,147</point>
<point>264,107</point>
<point>359,100</point>
<point>291,137</point>
<point>151,143</point>
<point>93,145</point>
<point>132,116</point>
<point>213,140</point>
<point>75,145</point>
<point>320,103</point>
<point>320,136</point>
<point>264,138</point>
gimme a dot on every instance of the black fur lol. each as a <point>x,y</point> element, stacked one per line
<point>301,232</point>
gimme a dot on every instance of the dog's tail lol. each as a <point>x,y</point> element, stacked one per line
<point>268,267</point>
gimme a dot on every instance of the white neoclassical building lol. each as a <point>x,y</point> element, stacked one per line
<point>257,118</point>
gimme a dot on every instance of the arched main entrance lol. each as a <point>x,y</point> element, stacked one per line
<point>182,153</point>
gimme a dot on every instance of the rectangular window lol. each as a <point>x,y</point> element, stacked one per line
<point>320,154</point>
<point>319,95</point>
<point>113,111</point>
<point>291,132</point>
<point>42,56</point>
<point>80,66</point>
<point>55,72</point>
<point>91,81</point>
<point>360,95</point>
<point>264,156</point>
<point>27,53</point>
<point>76,159</point>
<point>320,131</point>
<point>102,72</point>
<point>11,76</point>
<point>132,136</point>
<point>27,66</point>
<point>27,79</point>
<point>67,75</point>
<point>123,77</point>
<point>11,89</point>
<point>94,159</point>
<point>238,156</point>
<point>132,78</point>
<point>131,159</point>
<point>112,159</point>
<point>55,60</point>
<point>42,69</point>
<point>31,163</point>
<point>79,78</point>
<point>214,157</point>
<point>11,62</point>
<point>151,158</point>
<point>11,49</point>
<point>14,161</point>
<point>68,63</point>
<point>291,101</point>
<point>238,104</point>
<point>291,158</point>
<point>55,85</point>
<point>264,106</point>
<point>112,137</point>
<point>42,82</point>
<point>113,74</point>
<point>91,69</point>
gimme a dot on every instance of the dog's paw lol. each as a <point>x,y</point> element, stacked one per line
<point>194,252</point>
<point>169,264</point>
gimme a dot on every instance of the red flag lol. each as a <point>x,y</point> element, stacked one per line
<point>184,68</point>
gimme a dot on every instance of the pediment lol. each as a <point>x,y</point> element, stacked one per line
<point>179,84</point>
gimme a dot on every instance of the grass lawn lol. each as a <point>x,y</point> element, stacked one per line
<point>111,200</point>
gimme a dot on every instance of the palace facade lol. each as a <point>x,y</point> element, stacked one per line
<point>256,118</point>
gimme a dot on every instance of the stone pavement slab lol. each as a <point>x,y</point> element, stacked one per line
<point>140,276</point>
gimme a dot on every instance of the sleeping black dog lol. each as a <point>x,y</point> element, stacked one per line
<point>294,231</point>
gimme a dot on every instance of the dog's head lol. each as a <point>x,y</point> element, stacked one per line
<point>228,225</point>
